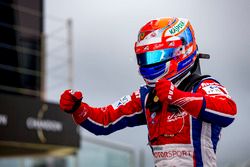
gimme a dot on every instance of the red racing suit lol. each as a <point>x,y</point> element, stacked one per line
<point>187,138</point>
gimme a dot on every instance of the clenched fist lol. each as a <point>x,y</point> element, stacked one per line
<point>166,91</point>
<point>70,101</point>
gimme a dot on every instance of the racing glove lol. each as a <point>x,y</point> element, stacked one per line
<point>70,101</point>
<point>185,101</point>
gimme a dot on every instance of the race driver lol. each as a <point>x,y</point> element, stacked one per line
<point>183,110</point>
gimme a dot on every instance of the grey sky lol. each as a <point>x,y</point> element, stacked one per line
<point>105,66</point>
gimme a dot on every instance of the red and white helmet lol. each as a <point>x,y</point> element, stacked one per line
<point>166,47</point>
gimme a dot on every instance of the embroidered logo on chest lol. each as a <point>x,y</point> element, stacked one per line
<point>175,116</point>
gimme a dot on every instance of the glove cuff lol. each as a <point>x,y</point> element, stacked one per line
<point>81,114</point>
<point>192,103</point>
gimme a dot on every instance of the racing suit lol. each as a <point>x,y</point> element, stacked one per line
<point>187,138</point>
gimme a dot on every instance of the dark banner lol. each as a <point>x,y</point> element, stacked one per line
<point>28,120</point>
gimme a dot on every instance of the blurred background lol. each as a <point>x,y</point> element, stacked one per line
<point>49,46</point>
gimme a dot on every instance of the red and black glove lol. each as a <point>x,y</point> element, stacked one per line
<point>167,92</point>
<point>186,101</point>
<point>70,101</point>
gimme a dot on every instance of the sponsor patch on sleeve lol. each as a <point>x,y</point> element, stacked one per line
<point>214,89</point>
<point>124,100</point>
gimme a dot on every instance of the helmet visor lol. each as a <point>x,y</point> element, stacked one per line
<point>156,56</point>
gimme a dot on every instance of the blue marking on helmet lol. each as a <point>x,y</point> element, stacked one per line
<point>183,64</point>
<point>152,72</point>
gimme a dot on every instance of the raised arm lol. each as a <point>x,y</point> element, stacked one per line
<point>126,112</point>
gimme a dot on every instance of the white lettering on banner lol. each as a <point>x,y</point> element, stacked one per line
<point>47,125</point>
<point>3,120</point>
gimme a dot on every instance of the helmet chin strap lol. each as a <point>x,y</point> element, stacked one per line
<point>179,77</point>
<point>178,82</point>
